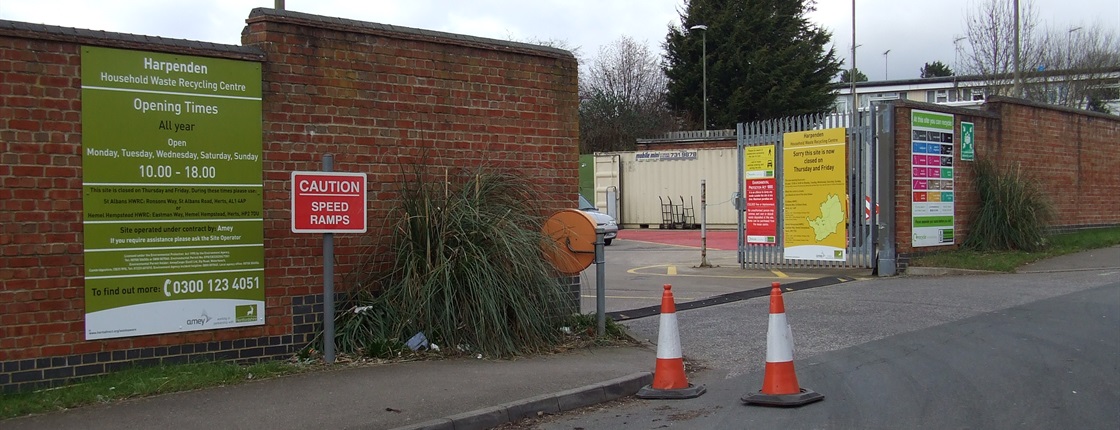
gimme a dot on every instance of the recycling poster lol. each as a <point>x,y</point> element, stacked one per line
<point>931,178</point>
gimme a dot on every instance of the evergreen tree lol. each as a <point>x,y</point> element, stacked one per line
<point>765,60</point>
<point>935,69</point>
<point>845,76</point>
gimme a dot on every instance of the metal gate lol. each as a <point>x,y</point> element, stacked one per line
<point>861,209</point>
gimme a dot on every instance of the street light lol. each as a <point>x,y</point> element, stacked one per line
<point>705,66</point>
<point>957,64</point>
<point>1069,47</point>
<point>957,52</point>
<point>1069,65</point>
<point>886,68</point>
<point>852,73</point>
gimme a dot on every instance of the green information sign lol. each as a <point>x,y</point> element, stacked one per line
<point>968,141</point>
<point>172,193</point>
<point>932,210</point>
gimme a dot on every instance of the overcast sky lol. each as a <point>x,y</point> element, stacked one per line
<point>915,31</point>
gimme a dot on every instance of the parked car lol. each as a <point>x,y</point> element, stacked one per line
<point>604,221</point>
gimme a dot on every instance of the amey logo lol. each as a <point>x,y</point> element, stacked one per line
<point>201,320</point>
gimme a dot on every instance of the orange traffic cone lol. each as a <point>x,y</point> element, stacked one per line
<point>669,380</point>
<point>779,385</point>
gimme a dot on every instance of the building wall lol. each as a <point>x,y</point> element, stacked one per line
<point>380,98</point>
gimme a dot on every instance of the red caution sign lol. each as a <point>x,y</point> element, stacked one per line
<point>328,202</point>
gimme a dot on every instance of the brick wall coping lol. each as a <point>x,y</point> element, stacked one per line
<point>1024,102</point>
<point>1001,99</point>
<point>110,39</point>
<point>400,32</point>
<point>945,109</point>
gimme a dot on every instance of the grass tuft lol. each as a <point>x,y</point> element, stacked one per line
<point>468,272</point>
<point>1013,214</point>
<point>1008,261</point>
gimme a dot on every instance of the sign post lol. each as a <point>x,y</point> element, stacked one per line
<point>328,202</point>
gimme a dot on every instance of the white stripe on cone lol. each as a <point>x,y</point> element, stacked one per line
<point>779,340</point>
<point>668,340</point>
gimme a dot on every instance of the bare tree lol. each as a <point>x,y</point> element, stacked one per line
<point>622,98</point>
<point>1086,60</point>
<point>991,43</point>
<point>628,70</point>
<point>1074,67</point>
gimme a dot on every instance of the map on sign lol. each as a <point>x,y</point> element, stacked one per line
<point>832,214</point>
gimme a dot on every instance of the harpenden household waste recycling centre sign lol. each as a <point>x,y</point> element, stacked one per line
<point>171,191</point>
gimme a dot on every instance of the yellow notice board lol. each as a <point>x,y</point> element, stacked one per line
<point>815,194</point>
<point>759,162</point>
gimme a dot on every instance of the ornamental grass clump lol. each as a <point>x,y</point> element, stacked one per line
<point>467,271</point>
<point>1013,215</point>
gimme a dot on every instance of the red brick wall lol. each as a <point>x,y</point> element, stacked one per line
<point>41,308</point>
<point>1070,155</point>
<point>378,98</point>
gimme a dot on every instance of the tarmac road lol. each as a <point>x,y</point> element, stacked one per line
<point>1034,350</point>
<point>640,262</point>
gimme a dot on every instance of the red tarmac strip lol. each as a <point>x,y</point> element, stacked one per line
<point>723,240</point>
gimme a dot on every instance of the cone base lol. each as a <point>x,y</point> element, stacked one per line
<point>693,391</point>
<point>804,397</point>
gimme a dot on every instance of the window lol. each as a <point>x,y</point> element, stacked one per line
<point>937,96</point>
<point>877,99</point>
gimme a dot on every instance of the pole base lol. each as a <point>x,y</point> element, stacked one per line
<point>804,397</point>
<point>693,391</point>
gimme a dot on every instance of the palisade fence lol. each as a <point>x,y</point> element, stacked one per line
<point>860,182</point>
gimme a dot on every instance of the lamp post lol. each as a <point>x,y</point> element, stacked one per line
<point>957,64</point>
<point>1069,67</point>
<point>852,73</point>
<point>705,66</point>
<point>1069,47</point>
<point>886,66</point>
<point>1017,85</point>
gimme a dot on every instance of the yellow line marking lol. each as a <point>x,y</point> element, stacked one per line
<point>672,271</point>
<point>635,270</point>
<point>778,273</point>
<point>638,271</point>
